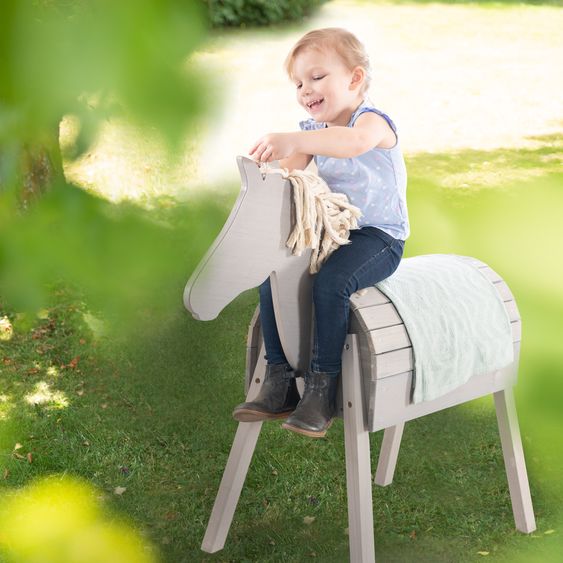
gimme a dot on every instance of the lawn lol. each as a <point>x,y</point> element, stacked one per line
<point>145,416</point>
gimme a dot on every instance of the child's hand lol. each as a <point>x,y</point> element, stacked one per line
<point>273,146</point>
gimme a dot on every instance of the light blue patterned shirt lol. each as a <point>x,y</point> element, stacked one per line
<point>375,181</point>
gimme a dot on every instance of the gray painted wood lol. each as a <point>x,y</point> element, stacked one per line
<point>514,461</point>
<point>253,344</point>
<point>251,247</point>
<point>392,405</point>
<point>358,464</point>
<point>377,365</point>
<point>234,474</point>
<point>388,454</point>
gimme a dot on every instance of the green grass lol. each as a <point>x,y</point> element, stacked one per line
<point>150,411</point>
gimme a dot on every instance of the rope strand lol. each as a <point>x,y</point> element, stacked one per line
<point>323,219</point>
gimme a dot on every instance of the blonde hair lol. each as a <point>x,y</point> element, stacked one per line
<point>348,47</point>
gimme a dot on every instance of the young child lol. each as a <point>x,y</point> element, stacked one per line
<point>355,147</point>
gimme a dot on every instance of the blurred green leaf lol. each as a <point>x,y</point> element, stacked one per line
<point>63,57</point>
<point>94,59</point>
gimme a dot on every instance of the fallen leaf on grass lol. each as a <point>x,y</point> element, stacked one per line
<point>483,552</point>
<point>549,532</point>
<point>17,446</point>
<point>308,520</point>
<point>74,362</point>
<point>6,473</point>
<point>29,457</point>
<point>119,490</point>
<point>412,535</point>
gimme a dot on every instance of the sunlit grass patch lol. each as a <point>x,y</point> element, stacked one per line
<point>6,328</point>
<point>6,406</point>
<point>42,394</point>
<point>126,163</point>
<point>474,170</point>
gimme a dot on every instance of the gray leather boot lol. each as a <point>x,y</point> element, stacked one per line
<point>277,398</point>
<point>316,410</point>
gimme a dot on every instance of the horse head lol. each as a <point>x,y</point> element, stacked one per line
<point>251,247</point>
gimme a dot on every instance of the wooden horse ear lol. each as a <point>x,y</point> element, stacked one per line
<point>249,170</point>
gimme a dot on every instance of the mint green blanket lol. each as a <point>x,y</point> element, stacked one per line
<point>455,318</point>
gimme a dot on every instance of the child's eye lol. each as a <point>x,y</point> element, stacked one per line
<point>319,77</point>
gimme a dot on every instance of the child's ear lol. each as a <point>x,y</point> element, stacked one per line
<point>358,76</point>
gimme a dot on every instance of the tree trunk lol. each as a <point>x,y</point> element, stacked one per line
<point>40,167</point>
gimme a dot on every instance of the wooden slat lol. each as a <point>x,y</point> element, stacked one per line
<point>392,363</point>
<point>389,339</point>
<point>401,360</point>
<point>516,327</point>
<point>368,297</point>
<point>504,290</point>
<point>379,316</point>
<point>396,337</point>
<point>473,261</point>
<point>512,309</point>
<point>490,274</point>
<point>392,395</point>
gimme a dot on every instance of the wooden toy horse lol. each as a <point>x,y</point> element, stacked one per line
<point>377,361</point>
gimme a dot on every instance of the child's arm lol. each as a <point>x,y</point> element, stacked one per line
<point>296,161</point>
<point>370,130</point>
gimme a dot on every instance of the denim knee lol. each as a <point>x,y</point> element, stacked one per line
<point>330,285</point>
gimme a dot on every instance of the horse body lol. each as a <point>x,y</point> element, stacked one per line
<point>377,361</point>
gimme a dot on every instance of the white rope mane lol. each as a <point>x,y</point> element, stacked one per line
<point>323,219</point>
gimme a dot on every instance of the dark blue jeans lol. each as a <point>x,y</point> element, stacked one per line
<point>372,256</point>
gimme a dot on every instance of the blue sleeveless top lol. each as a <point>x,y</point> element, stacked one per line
<point>375,181</point>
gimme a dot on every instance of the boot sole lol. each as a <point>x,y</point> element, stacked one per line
<point>309,433</point>
<point>247,415</point>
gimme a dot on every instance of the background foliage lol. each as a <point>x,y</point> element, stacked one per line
<point>96,61</point>
<point>235,13</point>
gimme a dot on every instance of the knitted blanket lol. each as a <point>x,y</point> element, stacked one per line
<point>455,318</point>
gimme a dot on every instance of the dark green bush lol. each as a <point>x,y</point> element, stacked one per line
<point>229,13</point>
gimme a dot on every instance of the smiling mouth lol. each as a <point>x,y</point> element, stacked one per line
<point>315,103</point>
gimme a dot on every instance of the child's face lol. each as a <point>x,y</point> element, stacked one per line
<point>326,88</point>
